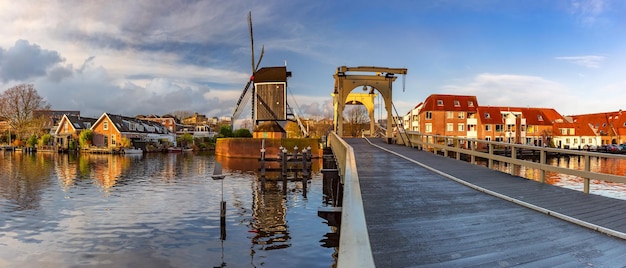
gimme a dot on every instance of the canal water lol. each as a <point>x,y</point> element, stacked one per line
<point>599,165</point>
<point>153,210</point>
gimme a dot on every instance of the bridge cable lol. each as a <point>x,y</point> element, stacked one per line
<point>403,130</point>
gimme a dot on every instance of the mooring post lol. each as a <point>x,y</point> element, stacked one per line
<point>304,172</point>
<point>263,168</point>
<point>217,175</point>
<point>283,170</point>
<point>296,156</point>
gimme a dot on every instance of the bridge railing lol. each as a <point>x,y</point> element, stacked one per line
<point>354,243</point>
<point>509,153</point>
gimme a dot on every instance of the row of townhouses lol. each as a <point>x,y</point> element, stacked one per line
<point>110,129</point>
<point>461,116</point>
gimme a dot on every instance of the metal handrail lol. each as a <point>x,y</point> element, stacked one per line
<point>429,141</point>
<point>354,243</point>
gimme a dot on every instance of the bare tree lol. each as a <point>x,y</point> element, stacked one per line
<point>357,119</point>
<point>17,105</point>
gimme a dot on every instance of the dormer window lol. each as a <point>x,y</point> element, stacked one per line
<point>457,103</point>
<point>439,102</point>
<point>470,103</point>
<point>539,117</point>
<point>487,116</point>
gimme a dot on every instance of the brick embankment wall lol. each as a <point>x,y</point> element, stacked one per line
<point>251,147</point>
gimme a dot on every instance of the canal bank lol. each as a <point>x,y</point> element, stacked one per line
<point>251,147</point>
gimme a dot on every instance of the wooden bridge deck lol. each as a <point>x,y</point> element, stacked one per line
<point>417,217</point>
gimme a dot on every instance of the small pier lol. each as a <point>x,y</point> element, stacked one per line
<point>294,166</point>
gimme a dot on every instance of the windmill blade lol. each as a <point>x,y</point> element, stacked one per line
<point>251,39</point>
<point>243,100</point>
<point>260,58</point>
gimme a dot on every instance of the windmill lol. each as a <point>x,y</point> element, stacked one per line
<point>267,90</point>
<point>247,93</point>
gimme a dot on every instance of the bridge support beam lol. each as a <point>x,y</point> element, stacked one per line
<point>381,81</point>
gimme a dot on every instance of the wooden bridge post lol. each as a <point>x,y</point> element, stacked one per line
<point>514,167</point>
<point>587,168</point>
<point>458,146</point>
<point>542,161</point>
<point>490,161</point>
<point>472,145</point>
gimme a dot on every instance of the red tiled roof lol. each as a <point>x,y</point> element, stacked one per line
<point>450,103</point>
<point>606,123</point>
<point>533,116</point>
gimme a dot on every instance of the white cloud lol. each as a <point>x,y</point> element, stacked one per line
<point>589,12</point>
<point>590,61</point>
<point>534,91</point>
<point>513,90</point>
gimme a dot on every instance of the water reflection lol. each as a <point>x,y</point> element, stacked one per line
<point>158,210</point>
<point>600,165</point>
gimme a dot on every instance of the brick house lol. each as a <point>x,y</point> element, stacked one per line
<point>68,129</point>
<point>110,129</point>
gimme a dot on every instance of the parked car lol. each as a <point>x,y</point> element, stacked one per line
<point>590,147</point>
<point>610,148</point>
<point>622,147</point>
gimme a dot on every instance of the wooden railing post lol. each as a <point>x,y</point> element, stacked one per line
<point>472,145</point>
<point>490,161</point>
<point>542,161</point>
<point>457,146</point>
<point>587,168</point>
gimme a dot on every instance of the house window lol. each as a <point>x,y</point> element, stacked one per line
<point>499,139</point>
<point>539,117</point>
<point>470,103</point>
<point>439,102</point>
<point>449,115</point>
<point>590,140</point>
<point>429,115</point>
<point>499,128</point>
<point>487,115</point>
<point>567,140</point>
<point>461,127</point>
<point>575,141</point>
<point>449,127</point>
<point>461,115</point>
<point>488,127</point>
<point>112,139</point>
<point>66,128</point>
<point>488,138</point>
<point>457,103</point>
<point>429,127</point>
<point>105,125</point>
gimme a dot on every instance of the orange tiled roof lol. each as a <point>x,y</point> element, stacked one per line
<point>440,102</point>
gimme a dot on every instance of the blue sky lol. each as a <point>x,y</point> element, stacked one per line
<point>156,57</point>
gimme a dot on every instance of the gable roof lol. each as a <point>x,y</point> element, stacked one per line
<point>131,124</point>
<point>610,123</point>
<point>441,102</point>
<point>533,116</point>
<point>77,122</point>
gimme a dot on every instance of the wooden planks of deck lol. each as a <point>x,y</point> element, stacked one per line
<point>417,217</point>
